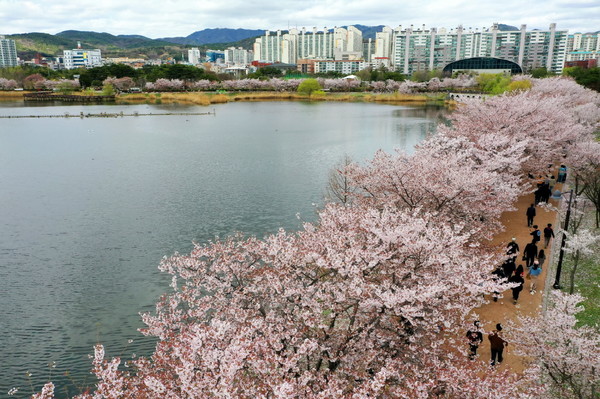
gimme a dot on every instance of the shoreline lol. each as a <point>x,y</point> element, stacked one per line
<point>210,98</point>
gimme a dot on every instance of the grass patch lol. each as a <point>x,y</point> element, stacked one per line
<point>587,283</point>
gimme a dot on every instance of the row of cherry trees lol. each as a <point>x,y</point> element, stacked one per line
<point>368,301</point>
<point>336,85</point>
<point>38,82</point>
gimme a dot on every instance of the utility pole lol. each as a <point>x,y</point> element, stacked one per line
<point>556,284</point>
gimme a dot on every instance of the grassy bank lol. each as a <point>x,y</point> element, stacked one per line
<point>201,98</point>
<point>10,95</point>
<point>205,98</point>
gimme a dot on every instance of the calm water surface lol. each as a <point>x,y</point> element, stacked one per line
<point>88,207</point>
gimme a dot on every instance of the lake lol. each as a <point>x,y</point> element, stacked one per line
<point>89,206</point>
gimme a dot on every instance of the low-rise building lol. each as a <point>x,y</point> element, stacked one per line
<point>82,58</point>
<point>346,67</point>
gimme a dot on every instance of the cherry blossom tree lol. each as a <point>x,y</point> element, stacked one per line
<point>443,177</point>
<point>30,81</point>
<point>566,355</point>
<point>545,124</point>
<point>8,84</point>
<point>122,84</point>
<point>362,303</point>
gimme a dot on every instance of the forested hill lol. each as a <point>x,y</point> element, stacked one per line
<point>217,35</point>
<point>137,46</point>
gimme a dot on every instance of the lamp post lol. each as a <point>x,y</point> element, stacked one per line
<point>556,284</point>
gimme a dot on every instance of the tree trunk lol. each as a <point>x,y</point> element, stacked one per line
<point>572,273</point>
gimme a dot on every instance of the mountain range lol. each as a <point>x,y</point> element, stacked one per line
<point>30,44</point>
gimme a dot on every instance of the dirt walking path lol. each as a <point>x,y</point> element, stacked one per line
<point>528,304</point>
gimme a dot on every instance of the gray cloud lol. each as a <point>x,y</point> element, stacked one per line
<point>162,18</point>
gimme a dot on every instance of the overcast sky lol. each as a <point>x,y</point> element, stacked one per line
<point>168,18</point>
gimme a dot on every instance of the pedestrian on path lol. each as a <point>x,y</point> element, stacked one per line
<point>475,338</point>
<point>498,276</point>
<point>513,249</point>
<point>541,257</point>
<point>545,193</point>
<point>562,174</point>
<point>497,344</point>
<point>552,182</point>
<point>509,267</point>
<point>530,215</point>
<point>530,253</point>
<point>534,273</point>
<point>536,234</point>
<point>548,234</point>
<point>517,278</point>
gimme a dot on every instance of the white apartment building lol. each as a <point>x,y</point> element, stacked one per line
<point>300,44</point>
<point>82,58</point>
<point>238,56</point>
<point>194,56</point>
<point>583,46</point>
<point>8,53</point>
<point>346,67</point>
<point>419,49</point>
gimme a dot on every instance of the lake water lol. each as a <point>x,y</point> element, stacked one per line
<point>88,207</point>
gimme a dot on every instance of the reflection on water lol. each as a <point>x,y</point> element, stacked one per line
<point>90,206</point>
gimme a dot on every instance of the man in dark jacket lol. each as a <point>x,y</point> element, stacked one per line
<point>536,234</point>
<point>530,253</point>
<point>530,215</point>
<point>497,344</point>
<point>548,235</point>
<point>512,249</point>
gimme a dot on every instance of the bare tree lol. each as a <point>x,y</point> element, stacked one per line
<point>339,187</point>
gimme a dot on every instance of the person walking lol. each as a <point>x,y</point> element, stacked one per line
<point>530,215</point>
<point>497,344</point>
<point>530,253</point>
<point>562,174</point>
<point>518,279</point>
<point>541,257</point>
<point>509,267</point>
<point>548,234</point>
<point>536,234</point>
<point>512,249</point>
<point>475,338</point>
<point>534,273</point>
<point>545,193</point>
<point>498,276</point>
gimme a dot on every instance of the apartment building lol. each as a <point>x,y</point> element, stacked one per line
<point>420,49</point>
<point>194,56</point>
<point>8,53</point>
<point>583,47</point>
<point>288,47</point>
<point>238,56</point>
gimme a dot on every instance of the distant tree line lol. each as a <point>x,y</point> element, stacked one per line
<point>189,75</point>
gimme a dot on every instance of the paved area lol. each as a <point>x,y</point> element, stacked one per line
<point>528,304</point>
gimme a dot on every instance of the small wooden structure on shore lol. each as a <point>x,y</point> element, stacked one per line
<point>51,96</point>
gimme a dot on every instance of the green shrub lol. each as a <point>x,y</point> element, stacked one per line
<point>308,86</point>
